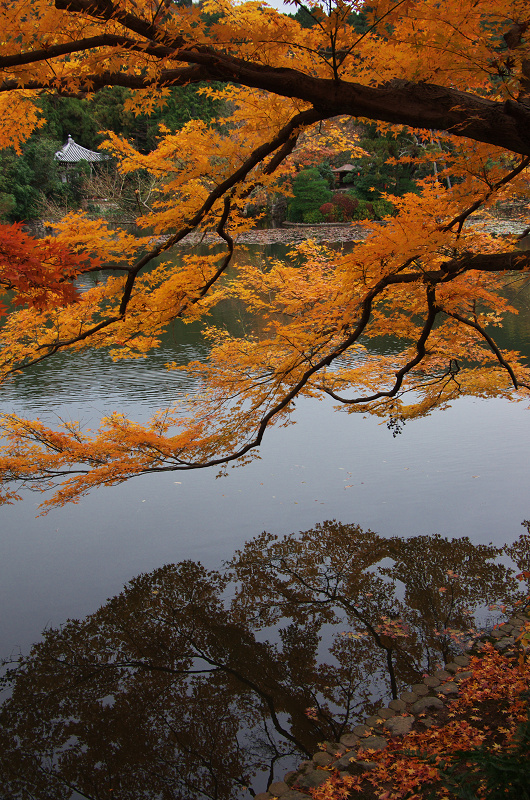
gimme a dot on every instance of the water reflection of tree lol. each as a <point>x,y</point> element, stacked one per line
<point>177,689</point>
<point>399,619</point>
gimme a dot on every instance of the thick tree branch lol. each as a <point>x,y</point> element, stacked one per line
<point>107,10</point>
<point>512,260</point>
<point>420,105</point>
<point>93,82</point>
<point>105,40</point>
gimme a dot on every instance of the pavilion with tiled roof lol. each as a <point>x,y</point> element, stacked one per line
<point>342,172</point>
<point>72,153</point>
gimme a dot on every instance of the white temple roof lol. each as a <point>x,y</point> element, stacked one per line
<point>72,152</point>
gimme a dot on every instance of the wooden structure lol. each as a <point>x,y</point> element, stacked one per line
<point>341,172</point>
<point>72,153</point>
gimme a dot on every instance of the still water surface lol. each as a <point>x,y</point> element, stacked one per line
<point>461,472</point>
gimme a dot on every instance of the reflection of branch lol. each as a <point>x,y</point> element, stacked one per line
<point>269,700</point>
<point>201,758</point>
<point>375,635</point>
<point>274,758</point>
<point>97,669</point>
<point>333,596</point>
<point>72,787</point>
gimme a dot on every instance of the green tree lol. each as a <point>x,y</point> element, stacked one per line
<point>310,191</point>
<point>30,178</point>
<point>88,119</point>
<point>383,171</point>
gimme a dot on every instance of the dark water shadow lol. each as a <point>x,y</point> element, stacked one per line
<point>209,684</point>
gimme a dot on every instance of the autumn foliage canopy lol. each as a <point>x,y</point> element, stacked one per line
<point>455,75</point>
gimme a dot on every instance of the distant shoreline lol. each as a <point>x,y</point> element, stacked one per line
<point>345,232</point>
<point>294,233</point>
<point>291,235</point>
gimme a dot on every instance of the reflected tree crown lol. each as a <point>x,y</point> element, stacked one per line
<point>203,684</point>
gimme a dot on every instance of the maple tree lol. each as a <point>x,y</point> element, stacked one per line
<point>455,73</point>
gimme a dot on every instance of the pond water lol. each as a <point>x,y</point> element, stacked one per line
<point>459,473</point>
